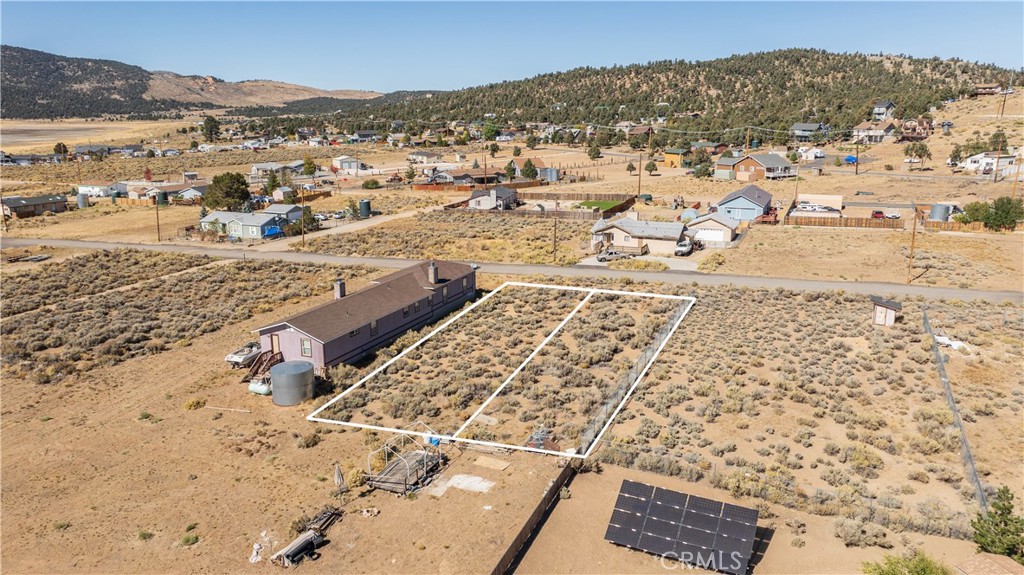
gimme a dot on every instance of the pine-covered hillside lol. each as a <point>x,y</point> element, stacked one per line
<point>766,88</point>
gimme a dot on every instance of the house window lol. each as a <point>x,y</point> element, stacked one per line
<point>307,347</point>
<point>444,293</point>
<point>354,332</point>
<point>416,307</point>
<point>465,283</point>
<point>627,237</point>
<point>373,327</point>
<point>405,311</point>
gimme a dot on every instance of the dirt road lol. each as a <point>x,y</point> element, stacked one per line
<point>668,276</point>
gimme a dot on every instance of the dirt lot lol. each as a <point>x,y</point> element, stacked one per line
<point>980,260</point>
<point>583,519</point>
<point>108,222</point>
<point>454,235</point>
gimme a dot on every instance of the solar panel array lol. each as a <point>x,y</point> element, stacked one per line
<point>688,528</point>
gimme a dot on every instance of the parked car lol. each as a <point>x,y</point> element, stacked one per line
<point>394,178</point>
<point>612,255</point>
<point>911,161</point>
<point>684,248</point>
<point>320,217</point>
<point>892,215</point>
<point>864,193</point>
<point>338,215</point>
<point>878,214</point>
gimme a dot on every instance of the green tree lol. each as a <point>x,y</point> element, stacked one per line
<point>918,150</point>
<point>702,170</point>
<point>916,564</point>
<point>997,141</point>
<point>637,142</point>
<point>1001,532</point>
<point>630,168</point>
<point>594,153</point>
<point>406,138</point>
<point>476,164</point>
<point>1004,215</point>
<point>516,151</point>
<point>60,148</point>
<point>410,174</point>
<point>510,170</point>
<point>193,145</point>
<point>532,141</point>
<point>308,166</point>
<point>271,184</point>
<point>651,167</point>
<point>529,170</point>
<point>974,212</point>
<point>228,190</point>
<point>493,149</point>
<point>490,131</point>
<point>371,184</point>
<point>211,128</point>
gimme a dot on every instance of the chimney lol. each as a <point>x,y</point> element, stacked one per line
<point>432,273</point>
<point>339,288</point>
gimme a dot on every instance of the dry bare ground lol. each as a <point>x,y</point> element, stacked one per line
<point>105,221</point>
<point>467,237</point>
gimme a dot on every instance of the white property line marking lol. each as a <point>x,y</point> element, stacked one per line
<point>528,359</point>
<point>313,416</point>
<point>639,378</point>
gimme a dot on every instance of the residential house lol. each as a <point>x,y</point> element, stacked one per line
<point>27,207</point>
<point>395,140</point>
<point>745,204</point>
<point>883,110</point>
<point>472,176</point>
<point>753,167</point>
<point>316,142</point>
<point>192,193</point>
<point>363,136</point>
<point>505,136</point>
<point>92,150</point>
<point>985,162</point>
<point>442,178</point>
<point>712,228</point>
<point>987,89</point>
<point>496,198</point>
<point>874,132</point>
<point>988,564</point>
<point>805,132</point>
<point>424,157</point>
<point>674,157</point>
<point>99,189</point>
<point>263,170</point>
<point>624,126</point>
<point>660,238</point>
<point>352,326</point>
<point>241,225</point>
<point>520,163</point>
<point>711,147</point>
<point>916,130</point>
<point>640,131</point>
<point>288,212</point>
<point>190,176</point>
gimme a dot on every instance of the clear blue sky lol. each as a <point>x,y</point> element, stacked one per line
<point>387,46</point>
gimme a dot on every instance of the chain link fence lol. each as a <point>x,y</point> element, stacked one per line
<point>965,447</point>
<point>627,380</point>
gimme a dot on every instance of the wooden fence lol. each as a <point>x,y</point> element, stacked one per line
<point>553,492</point>
<point>150,201</point>
<point>954,226</point>
<point>591,215</point>
<point>441,188</point>
<point>880,223</point>
<point>574,197</point>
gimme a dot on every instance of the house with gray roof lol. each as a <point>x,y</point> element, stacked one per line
<point>633,234</point>
<point>29,206</point>
<point>745,204</point>
<point>241,225</point>
<point>712,228</point>
<point>753,167</point>
<point>290,212</point>
<point>496,198</point>
<point>350,327</point>
<point>883,110</point>
<point>806,131</point>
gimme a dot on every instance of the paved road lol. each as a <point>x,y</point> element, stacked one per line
<point>668,276</point>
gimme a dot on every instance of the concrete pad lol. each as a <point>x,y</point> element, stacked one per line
<point>491,463</point>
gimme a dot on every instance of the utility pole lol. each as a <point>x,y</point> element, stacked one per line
<point>639,173</point>
<point>746,147</point>
<point>856,165</point>
<point>157,198</point>
<point>554,239</point>
<point>1002,106</point>
<point>302,216</point>
<point>913,238</point>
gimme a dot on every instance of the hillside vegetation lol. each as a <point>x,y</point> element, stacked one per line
<point>41,85</point>
<point>767,88</point>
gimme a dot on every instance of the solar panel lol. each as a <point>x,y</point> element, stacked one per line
<point>634,489</point>
<point>696,530</point>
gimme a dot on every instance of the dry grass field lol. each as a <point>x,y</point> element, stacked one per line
<point>466,237</point>
<point>39,136</point>
<point>108,222</point>
<point>106,468</point>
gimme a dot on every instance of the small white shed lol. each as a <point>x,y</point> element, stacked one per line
<point>885,311</point>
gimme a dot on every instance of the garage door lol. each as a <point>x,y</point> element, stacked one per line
<point>710,235</point>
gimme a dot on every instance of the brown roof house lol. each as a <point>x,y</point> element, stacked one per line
<point>352,326</point>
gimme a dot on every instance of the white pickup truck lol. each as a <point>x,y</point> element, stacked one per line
<point>244,356</point>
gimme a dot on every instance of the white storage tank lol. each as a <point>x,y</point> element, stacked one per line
<point>940,213</point>
<point>291,382</point>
